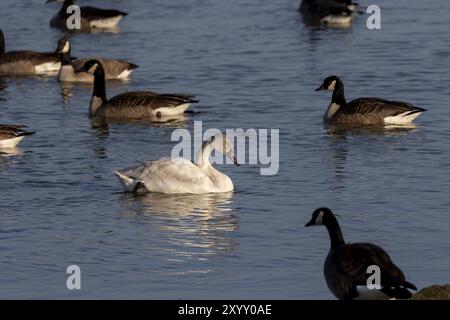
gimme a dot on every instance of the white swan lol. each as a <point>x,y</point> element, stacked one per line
<point>179,175</point>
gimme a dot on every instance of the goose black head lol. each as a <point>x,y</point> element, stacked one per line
<point>63,45</point>
<point>91,66</point>
<point>320,217</point>
<point>330,83</point>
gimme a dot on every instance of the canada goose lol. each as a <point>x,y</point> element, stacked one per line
<point>91,17</point>
<point>132,105</point>
<point>114,69</point>
<point>347,269</point>
<point>26,62</point>
<point>365,111</point>
<point>11,135</point>
<point>329,12</point>
<point>180,175</point>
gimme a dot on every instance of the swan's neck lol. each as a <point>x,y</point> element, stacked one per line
<point>2,43</point>
<point>203,156</point>
<point>99,93</point>
<point>334,230</point>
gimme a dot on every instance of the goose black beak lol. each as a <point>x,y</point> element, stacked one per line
<point>320,88</point>
<point>310,223</point>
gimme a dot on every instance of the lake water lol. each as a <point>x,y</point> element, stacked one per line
<point>253,64</point>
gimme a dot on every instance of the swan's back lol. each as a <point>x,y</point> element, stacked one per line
<point>168,175</point>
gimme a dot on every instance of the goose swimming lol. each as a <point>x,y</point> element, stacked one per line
<point>365,111</point>
<point>27,62</point>
<point>180,175</point>
<point>114,69</point>
<point>132,105</point>
<point>328,12</point>
<point>11,135</point>
<point>346,266</point>
<point>91,17</point>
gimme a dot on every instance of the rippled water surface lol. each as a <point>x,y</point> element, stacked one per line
<point>253,64</point>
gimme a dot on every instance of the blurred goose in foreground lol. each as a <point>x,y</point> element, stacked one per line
<point>26,62</point>
<point>365,111</point>
<point>114,69</point>
<point>180,175</point>
<point>346,266</point>
<point>329,12</point>
<point>11,135</point>
<point>91,17</point>
<point>132,105</point>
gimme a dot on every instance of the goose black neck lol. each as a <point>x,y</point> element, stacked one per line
<point>334,230</point>
<point>66,4</point>
<point>99,83</point>
<point>2,43</point>
<point>338,94</point>
<point>66,59</point>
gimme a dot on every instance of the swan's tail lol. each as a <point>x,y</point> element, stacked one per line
<point>129,183</point>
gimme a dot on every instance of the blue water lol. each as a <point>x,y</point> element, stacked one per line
<point>253,65</point>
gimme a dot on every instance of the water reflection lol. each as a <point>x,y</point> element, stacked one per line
<point>173,121</point>
<point>68,88</point>
<point>7,157</point>
<point>112,30</point>
<point>188,221</point>
<point>390,130</point>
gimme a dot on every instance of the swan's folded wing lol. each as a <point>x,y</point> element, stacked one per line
<point>166,170</point>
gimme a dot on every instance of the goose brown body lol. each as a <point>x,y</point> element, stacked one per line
<point>365,111</point>
<point>25,62</point>
<point>132,105</point>
<point>346,266</point>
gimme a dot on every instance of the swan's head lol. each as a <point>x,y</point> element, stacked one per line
<point>221,143</point>
<point>91,66</point>
<point>330,84</point>
<point>320,216</point>
<point>63,45</point>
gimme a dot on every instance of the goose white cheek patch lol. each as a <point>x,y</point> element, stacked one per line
<point>332,85</point>
<point>319,218</point>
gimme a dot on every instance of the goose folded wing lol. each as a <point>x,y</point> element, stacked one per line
<point>31,57</point>
<point>111,66</point>
<point>92,13</point>
<point>379,107</point>
<point>352,261</point>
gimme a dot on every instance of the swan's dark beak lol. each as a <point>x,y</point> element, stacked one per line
<point>235,161</point>
<point>320,88</point>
